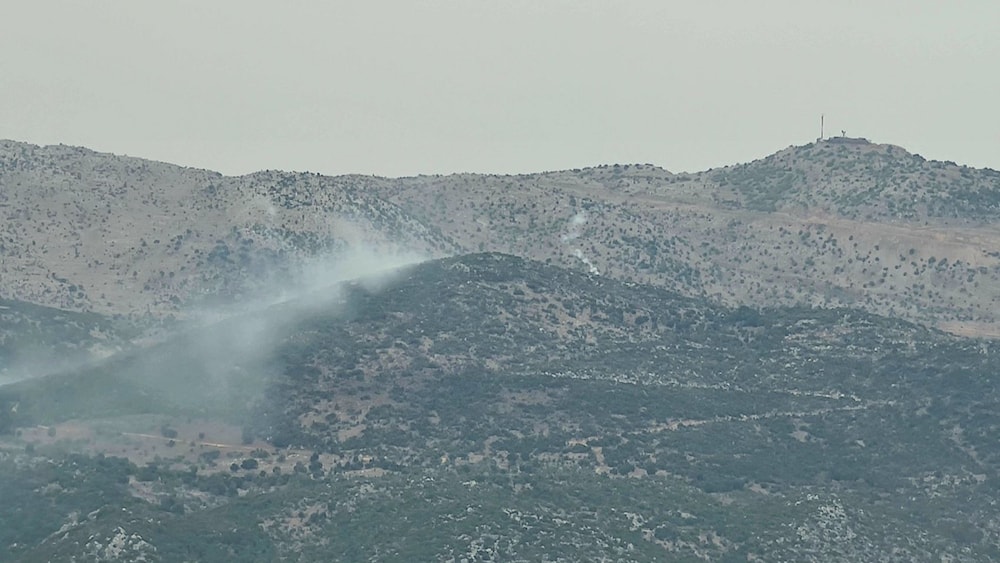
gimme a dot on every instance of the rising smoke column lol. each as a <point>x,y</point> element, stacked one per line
<point>575,231</point>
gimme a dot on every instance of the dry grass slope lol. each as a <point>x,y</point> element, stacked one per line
<point>829,223</point>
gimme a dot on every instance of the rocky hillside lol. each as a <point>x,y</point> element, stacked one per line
<point>495,408</point>
<point>837,222</point>
<point>89,231</point>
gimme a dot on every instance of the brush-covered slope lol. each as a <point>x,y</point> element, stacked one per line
<point>859,180</point>
<point>92,231</point>
<point>836,222</point>
<point>492,408</point>
<point>35,340</point>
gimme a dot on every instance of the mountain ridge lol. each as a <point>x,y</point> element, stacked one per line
<point>864,225</point>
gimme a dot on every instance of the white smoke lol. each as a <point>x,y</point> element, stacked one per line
<point>590,265</point>
<point>224,354</point>
<point>370,267</point>
<point>233,346</point>
<point>578,221</point>
<point>574,232</point>
<point>260,207</point>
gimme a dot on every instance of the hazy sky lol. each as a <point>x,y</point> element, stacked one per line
<point>424,86</point>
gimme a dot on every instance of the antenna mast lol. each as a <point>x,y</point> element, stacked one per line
<point>821,116</point>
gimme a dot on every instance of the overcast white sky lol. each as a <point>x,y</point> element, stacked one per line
<point>433,86</point>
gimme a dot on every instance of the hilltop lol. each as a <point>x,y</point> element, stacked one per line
<point>830,223</point>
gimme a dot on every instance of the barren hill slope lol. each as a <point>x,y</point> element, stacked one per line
<point>93,231</point>
<point>837,222</point>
